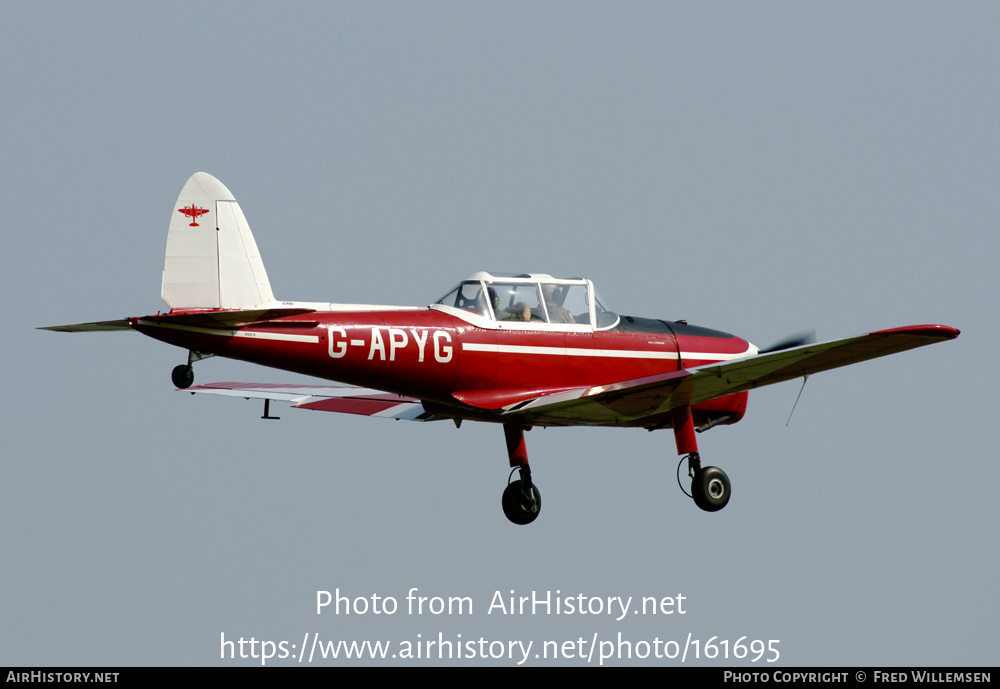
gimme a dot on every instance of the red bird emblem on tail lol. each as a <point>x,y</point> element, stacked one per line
<point>192,212</point>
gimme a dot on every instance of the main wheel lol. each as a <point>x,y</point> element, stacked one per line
<point>519,506</point>
<point>182,375</point>
<point>710,489</point>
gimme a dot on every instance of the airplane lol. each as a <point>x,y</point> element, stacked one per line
<point>519,350</point>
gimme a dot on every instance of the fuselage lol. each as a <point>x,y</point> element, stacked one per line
<point>442,356</point>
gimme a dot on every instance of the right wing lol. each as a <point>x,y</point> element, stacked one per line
<point>653,396</point>
<point>347,400</point>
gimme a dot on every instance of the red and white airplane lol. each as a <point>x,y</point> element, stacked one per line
<point>517,350</point>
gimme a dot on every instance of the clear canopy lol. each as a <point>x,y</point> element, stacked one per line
<point>530,298</point>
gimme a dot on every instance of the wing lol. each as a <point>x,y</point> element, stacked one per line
<point>630,400</point>
<point>347,400</point>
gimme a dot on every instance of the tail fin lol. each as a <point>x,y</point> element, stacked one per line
<point>212,260</point>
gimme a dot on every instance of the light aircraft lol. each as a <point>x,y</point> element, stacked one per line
<point>518,350</point>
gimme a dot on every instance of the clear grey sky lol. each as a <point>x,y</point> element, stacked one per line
<point>760,168</point>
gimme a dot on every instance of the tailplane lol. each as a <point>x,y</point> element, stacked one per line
<point>212,261</point>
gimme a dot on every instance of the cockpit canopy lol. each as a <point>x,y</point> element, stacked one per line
<point>508,300</point>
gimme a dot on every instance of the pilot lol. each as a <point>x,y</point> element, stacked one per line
<point>516,312</point>
<point>557,313</point>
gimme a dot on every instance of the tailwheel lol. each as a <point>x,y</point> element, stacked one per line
<point>521,500</point>
<point>182,376</point>
<point>710,489</point>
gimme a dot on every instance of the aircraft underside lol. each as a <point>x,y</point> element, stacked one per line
<point>710,487</point>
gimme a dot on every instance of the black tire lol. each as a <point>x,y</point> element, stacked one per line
<point>518,507</point>
<point>182,376</point>
<point>710,489</point>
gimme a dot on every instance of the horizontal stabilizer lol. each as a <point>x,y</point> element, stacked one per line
<point>225,320</point>
<point>228,319</point>
<point>96,326</point>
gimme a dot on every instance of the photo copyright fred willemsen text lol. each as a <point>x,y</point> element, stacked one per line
<point>435,647</point>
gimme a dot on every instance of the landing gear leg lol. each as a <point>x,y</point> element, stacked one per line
<point>183,375</point>
<point>710,487</point>
<point>521,500</point>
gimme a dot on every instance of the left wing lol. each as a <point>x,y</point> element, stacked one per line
<point>630,400</point>
<point>348,400</point>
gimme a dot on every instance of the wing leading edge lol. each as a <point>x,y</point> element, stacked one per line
<point>646,397</point>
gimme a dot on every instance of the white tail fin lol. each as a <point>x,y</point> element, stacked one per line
<point>212,260</point>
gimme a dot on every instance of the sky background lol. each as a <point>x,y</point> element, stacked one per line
<point>760,168</point>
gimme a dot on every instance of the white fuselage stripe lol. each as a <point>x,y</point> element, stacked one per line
<point>252,334</point>
<point>281,337</point>
<point>609,353</point>
<point>471,346</point>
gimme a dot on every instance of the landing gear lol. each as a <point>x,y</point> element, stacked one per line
<point>182,376</point>
<point>710,487</point>
<point>521,500</point>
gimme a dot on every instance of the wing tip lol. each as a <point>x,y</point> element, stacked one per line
<point>938,332</point>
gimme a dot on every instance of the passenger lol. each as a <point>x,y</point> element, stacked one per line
<point>557,313</point>
<point>515,312</point>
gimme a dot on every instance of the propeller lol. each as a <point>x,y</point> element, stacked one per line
<point>796,340</point>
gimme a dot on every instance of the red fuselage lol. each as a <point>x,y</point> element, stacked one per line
<point>443,360</point>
